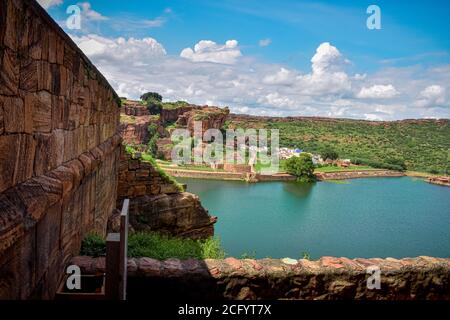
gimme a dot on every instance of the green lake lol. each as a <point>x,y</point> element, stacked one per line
<point>374,217</point>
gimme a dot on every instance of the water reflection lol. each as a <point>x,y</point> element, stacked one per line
<point>299,189</point>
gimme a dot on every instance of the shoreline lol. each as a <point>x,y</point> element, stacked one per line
<point>281,176</point>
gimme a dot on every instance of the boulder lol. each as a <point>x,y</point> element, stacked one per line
<point>177,214</point>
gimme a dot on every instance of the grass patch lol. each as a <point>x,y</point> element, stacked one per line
<point>157,246</point>
<point>127,119</point>
<point>148,158</point>
<point>174,105</point>
<point>93,245</point>
<point>169,179</point>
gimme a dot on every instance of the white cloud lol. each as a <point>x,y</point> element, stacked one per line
<point>134,66</point>
<point>283,76</point>
<point>209,51</point>
<point>431,96</point>
<point>89,13</point>
<point>49,3</point>
<point>378,91</point>
<point>265,42</point>
<point>157,22</point>
<point>372,117</point>
<point>327,59</point>
<point>132,51</point>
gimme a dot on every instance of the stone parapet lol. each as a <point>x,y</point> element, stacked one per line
<point>328,278</point>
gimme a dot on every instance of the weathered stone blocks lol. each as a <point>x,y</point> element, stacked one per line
<point>53,189</point>
<point>9,77</point>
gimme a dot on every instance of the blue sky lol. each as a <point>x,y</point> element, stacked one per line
<point>400,71</point>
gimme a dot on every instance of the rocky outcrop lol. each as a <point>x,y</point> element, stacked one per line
<point>159,204</point>
<point>176,214</point>
<point>442,181</point>
<point>422,278</point>
<point>58,150</point>
<point>171,115</point>
<point>134,133</point>
<point>210,117</point>
<point>164,146</point>
<point>134,108</point>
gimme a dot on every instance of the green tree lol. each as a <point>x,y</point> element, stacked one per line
<point>151,96</point>
<point>397,162</point>
<point>152,146</point>
<point>153,100</point>
<point>329,154</point>
<point>302,167</point>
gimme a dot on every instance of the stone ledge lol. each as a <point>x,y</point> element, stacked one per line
<point>233,266</point>
<point>23,205</point>
<point>327,278</point>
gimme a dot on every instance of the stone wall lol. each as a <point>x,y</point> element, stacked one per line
<point>159,204</point>
<point>215,175</point>
<point>238,168</point>
<point>342,175</point>
<point>58,150</point>
<point>326,279</point>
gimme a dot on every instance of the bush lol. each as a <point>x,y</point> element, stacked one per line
<point>330,154</point>
<point>154,106</point>
<point>157,246</point>
<point>378,165</point>
<point>152,147</point>
<point>153,101</point>
<point>93,245</point>
<point>302,167</point>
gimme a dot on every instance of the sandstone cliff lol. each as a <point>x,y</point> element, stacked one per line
<point>210,117</point>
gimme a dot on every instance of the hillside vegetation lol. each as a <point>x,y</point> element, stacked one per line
<point>421,145</point>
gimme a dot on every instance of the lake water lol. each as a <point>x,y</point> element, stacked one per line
<point>375,217</point>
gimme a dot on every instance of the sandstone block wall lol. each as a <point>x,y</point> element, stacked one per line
<point>59,150</point>
<point>342,175</point>
<point>246,279</point>
<point>159,204</point>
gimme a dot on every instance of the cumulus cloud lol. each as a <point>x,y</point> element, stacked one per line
<point>265,42</point>
<point>327,59</point>
<point>204,75</point>
<point>91,14</point>
<point>378,91</point>
<point>431,96</point>
<point>283,76</point>
<point>209,51</point>
<point>49,3</point>
<point>132,51</point>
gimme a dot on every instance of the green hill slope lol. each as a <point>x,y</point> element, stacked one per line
<point>422,145</point>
